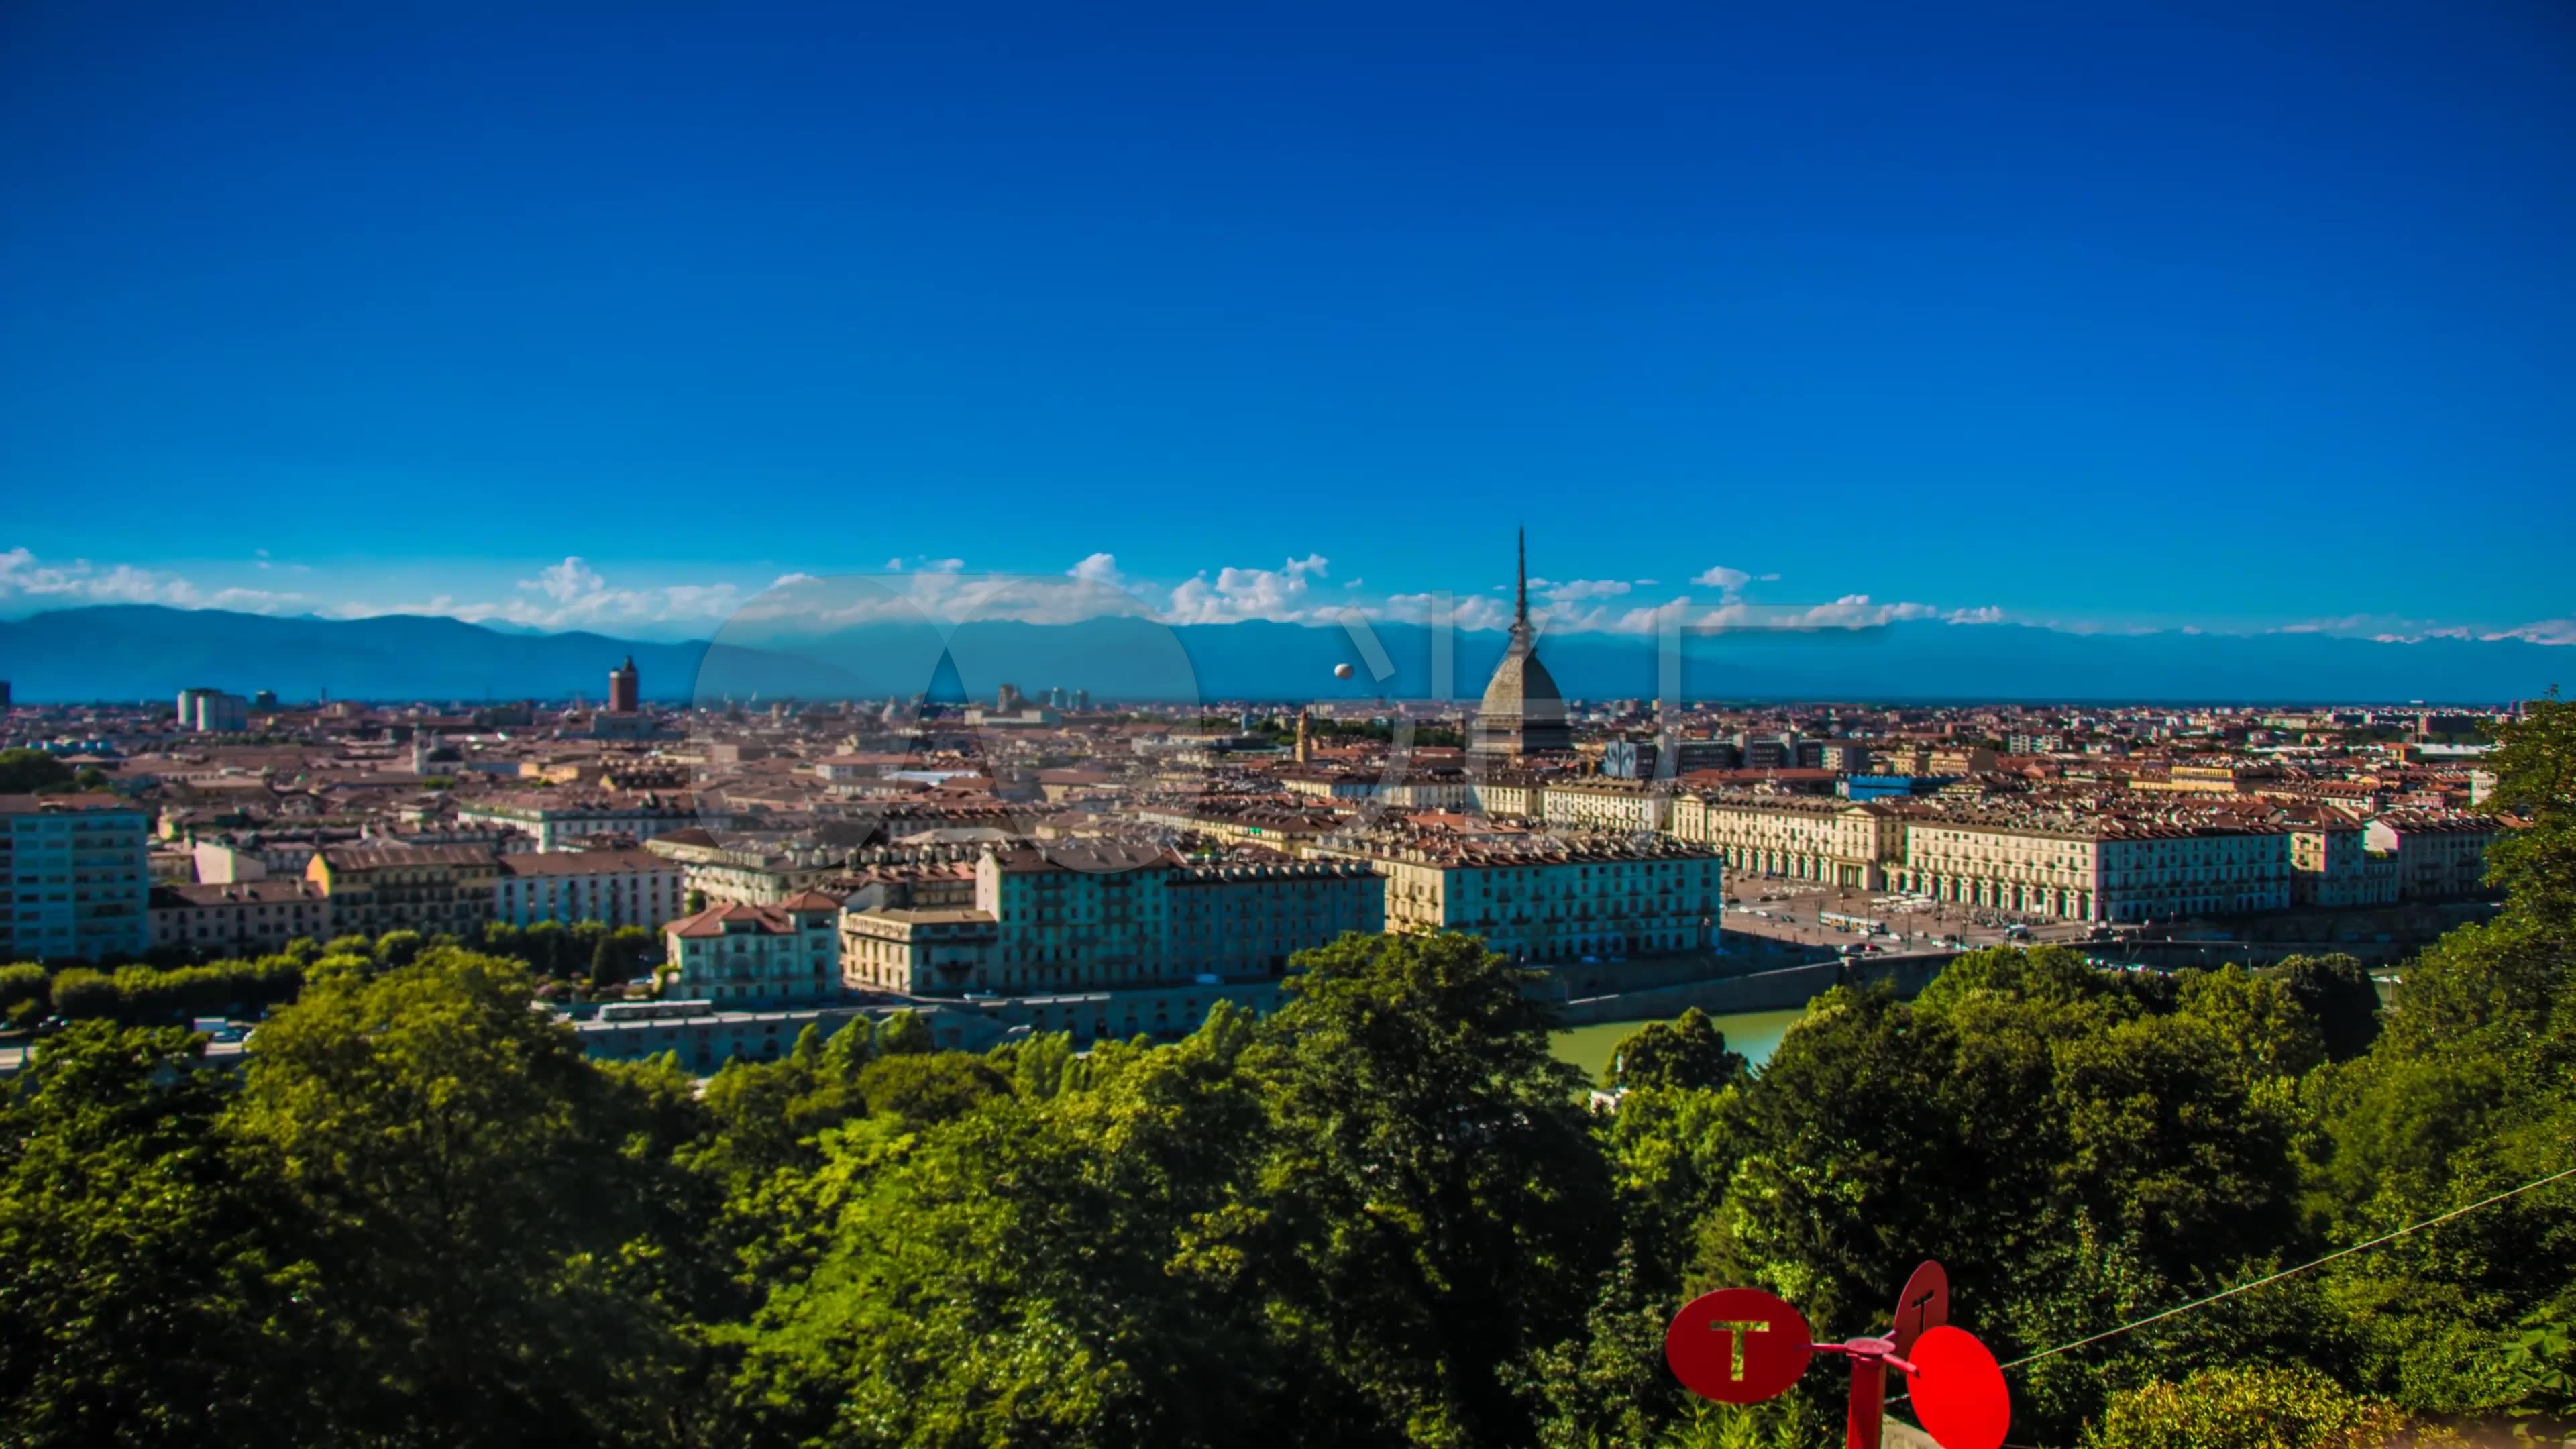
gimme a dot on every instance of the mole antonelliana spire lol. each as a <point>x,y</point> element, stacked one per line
<point>1522,714</point>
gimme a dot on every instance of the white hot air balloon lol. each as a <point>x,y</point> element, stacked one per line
<point>1342,671</point>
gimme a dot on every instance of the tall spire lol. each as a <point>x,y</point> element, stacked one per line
<point>1520,601</point>
<point>1521,634</point>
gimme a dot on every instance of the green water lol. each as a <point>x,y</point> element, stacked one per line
<point>1753,1033</point>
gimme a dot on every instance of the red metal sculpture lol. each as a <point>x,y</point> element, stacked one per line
<point>1742,1345</point>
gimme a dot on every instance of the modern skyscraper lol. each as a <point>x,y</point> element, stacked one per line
<point>623,688</point>
<point>1522,714</point>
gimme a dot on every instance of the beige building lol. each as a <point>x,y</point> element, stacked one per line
<point>918,951</point>
<point>2097,869</point>
<point>1603,803</point>
<point>1829,841</point>
<point>2331,865</point>
<point>1554,899</point>
<point>2441,855</point>
<point>375,887</point>
<point>239,918</point>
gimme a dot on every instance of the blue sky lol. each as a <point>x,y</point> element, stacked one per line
<point>612,317</point>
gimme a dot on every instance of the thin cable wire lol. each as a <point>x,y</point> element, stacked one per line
<point>2289,1272</point>
<point>1901,1397</point>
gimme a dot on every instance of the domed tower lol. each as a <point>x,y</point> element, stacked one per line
<point>1522,714</point>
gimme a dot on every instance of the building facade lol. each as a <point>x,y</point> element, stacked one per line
<point>1829,841</point>
<point>564,823</point>
<point>2440,855</point>
<point>375,887</point>
<point>745,957</point>
<point>239,918</point>
<point>615,887</point>
<point>1087,916</point>
<point>2332,865</point>
<point>1554,900</point>
<point>79,874</point>
<point>2097,869</point>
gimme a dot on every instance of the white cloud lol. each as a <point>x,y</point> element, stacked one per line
<point>1575,590</point>
<point>1466,611</point>
<point>576,596</point>
<point>1237,594</point>
<point>2543,631</point>
<point>786,581</point>
<point>566,581</point>
<point>25,577</point>
<point>1729,582</point>
<point>1986,614</point>
<point>1099,568</point>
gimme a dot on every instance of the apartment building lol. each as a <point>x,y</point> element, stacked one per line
<point>564,822</point>
<point>376,887</point>
<point>239,918</point>
<point>1553,899</point>
<point>2105,869</point>
<point>1111,915</point>
<point>618,887</point>
<point>2441,855</point>
<point>2332,865</point>
<point>79,876</point>
<point>744,957</point>
<point>1830,841</point>
<point>1605,803</point>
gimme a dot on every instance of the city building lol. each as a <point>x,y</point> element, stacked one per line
<point>2332,864</point>
<point>1605,803</point>
<point>742,956</point>
<point>1807,838</point>
<point>2097,869</point>
<point>79,874</point>
<point>615,887</point>
<point>1521,714</point>
<point>2440,855</point>
<point>1553,900</point>
<point>239,918</point>
<point>624,688</point>
<point>1095,915</point>
<point>566,821</point>
<point>211,711</point>
<point>377,887</point>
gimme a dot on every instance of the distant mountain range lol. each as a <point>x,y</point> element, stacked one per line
<point>140,652</point>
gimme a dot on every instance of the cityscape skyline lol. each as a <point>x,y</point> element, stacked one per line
<point>2242,325</point>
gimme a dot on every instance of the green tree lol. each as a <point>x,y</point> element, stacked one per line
<point>1688,1052</point>
<point>1032,1271</point>
<point>1434,1201</point>
<point>30,772</point>
<point>610,963</point>
<point>904,1032</point>
<point>139,1306</point>
<point>470,1206</point>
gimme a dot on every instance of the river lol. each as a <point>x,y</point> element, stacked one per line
<point>1753,1033</point>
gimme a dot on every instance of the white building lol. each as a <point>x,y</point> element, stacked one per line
<point>740,956</point>
<point>617,887</point>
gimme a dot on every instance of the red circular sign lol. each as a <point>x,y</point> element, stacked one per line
<point>1737,1346</point>
<point>1958,1391</point>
